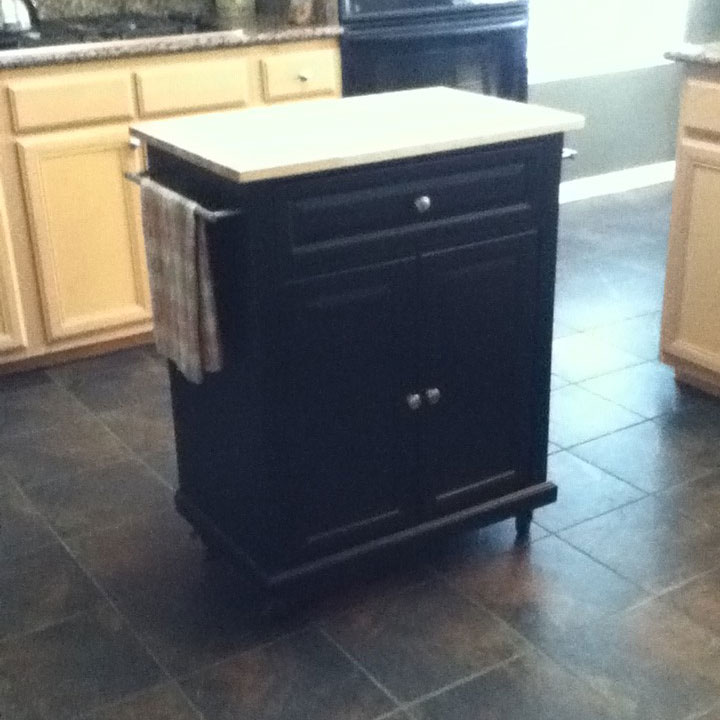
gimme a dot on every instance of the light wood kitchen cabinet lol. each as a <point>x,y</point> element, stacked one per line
<point>86,232</point>
<point>298,75</point>
<point>69,99</point>
<point>193,86</point>
<point>691,317</point>
<point>73,276</point>
<point>12,322</point>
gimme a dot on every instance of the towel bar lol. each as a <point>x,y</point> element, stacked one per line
<point>211,216</point>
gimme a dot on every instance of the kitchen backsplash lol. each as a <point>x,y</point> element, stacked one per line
<point>77,8</point>
<point>325,10</point>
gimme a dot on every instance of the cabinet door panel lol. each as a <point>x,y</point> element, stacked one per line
<point>12,322</point>
<point>350,436</point>
<point>691,320</point>
<point>86,230</point>
<point>479,314</point>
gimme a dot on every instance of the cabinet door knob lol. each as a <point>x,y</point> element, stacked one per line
<point>303,78</point>
<point>433,395</point>
<point>414,401</point>
<point>423,204</point>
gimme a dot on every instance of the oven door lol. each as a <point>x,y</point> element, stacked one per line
<point>352,11</point>
<point>485,60</point>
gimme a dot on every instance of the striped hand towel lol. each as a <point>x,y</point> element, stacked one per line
<point>185,314</point>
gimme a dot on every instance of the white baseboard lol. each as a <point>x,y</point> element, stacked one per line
<point>616,182</point>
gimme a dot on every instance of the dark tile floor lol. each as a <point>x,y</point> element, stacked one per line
<point>109,611</point>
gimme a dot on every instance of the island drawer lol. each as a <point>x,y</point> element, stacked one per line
<point>373,214</point>
<point>410,241</point>
<point>183,87</point>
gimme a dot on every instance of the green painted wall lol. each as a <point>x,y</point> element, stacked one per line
<point>703,20</point>
<point>631,117</point>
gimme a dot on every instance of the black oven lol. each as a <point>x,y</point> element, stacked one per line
<point>478,45</point>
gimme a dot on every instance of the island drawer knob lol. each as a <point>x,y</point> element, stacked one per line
<point>433,396</point>
<point>303,78</point>
<point>414,401</point>
<point>423,203</point>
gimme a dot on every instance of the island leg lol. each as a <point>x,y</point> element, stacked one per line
<point>522,528</point>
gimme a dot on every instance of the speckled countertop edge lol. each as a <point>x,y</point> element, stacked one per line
<point>702,54</point>
<point>87,52</point>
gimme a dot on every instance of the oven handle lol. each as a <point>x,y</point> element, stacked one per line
<point>429,32</point>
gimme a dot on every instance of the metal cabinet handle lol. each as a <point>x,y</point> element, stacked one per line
<point>414,401</point>
<point>303,78</point>
<point>433,395</point>
<point>423,204</point>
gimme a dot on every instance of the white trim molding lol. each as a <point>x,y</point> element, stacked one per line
<point>617,182</point>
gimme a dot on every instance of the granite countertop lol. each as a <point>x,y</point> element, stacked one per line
<point>703,54</point>
<point>279,141</point>
<point>262,30</point>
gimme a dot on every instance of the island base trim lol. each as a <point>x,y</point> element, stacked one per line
<point>517,504</point>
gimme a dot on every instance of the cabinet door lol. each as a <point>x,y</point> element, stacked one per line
<point>479,404</point>
<point>349,432</point>
<point>691,319</point>
<point>86,230</point>
<point>12,323</point>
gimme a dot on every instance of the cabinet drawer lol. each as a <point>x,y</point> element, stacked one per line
<point>300,74</point>
<point>701,106</point>
<point>69,99</point>
<point>192,86</point>
<point>381,214</point>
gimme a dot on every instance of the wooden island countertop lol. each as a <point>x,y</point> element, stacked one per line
<point>265,143</point>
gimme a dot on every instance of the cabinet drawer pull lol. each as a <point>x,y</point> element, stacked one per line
<point>433,395</point>
<point>303,78</point>
<point>414,401</point>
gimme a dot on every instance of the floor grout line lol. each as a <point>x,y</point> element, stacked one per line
<point>97,417</point>
<point>359,666</point>
<point>607,472</point>
<point>107,597</point>
<point>41,628</point>
<point>609,613</point>
<point>476,602</point>
<point>613,570</point>
<point>606,325</point>
<point>463,681</point>
<point>245,651</point>
<point>533,646</point>
<point>700,714</point>
<point>563,529</point>
<point>599,437</point>
<point>134,695</point>
<point>579,383</point>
